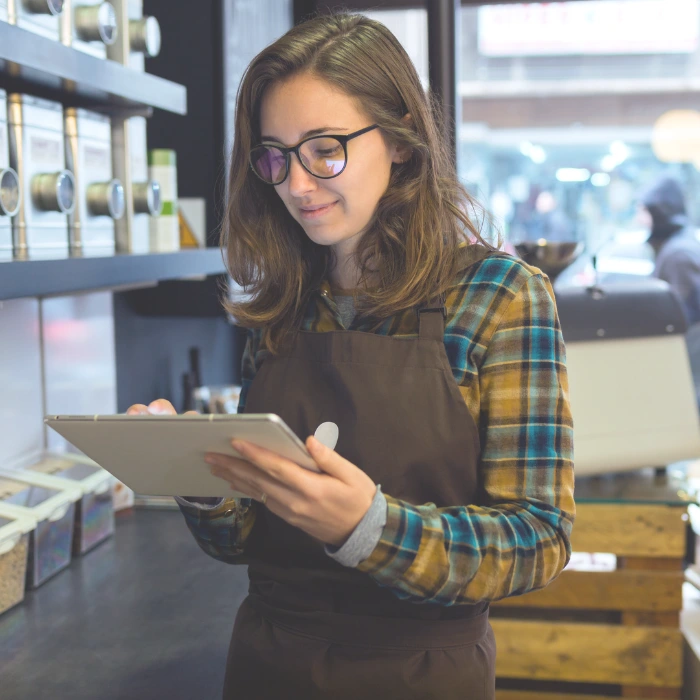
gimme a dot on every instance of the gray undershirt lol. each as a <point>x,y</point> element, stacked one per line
<point>346,308</point>
<point>368,532</point>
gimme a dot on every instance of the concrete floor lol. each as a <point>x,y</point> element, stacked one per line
<point>146,615</point>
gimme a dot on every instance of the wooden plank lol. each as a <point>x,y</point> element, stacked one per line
<point>665,693</point>
<point>587,653</point>
<point>648,564</point>
<point>539,695</point>
<point>651,619</point>
<point>607,590</point>
<point>630,530</point>
<point>672,693</point>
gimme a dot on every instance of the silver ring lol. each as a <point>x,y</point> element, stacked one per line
<point>263,499</point>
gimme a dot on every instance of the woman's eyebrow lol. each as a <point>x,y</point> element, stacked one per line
<point>306,134</point>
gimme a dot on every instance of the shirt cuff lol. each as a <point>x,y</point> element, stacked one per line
<point>366,535</point>
<point>201,503</point>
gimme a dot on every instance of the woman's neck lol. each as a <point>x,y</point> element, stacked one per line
<point>344,275</point>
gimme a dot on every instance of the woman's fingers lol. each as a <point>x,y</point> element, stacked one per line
<point>137,409</point>
<point>159,407</point>
<point>245,477</point>
<point>277,467</point>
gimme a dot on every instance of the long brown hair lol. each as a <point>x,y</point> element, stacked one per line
<point>411,243</point>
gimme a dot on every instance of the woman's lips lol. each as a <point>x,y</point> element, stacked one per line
<point>317,211</point>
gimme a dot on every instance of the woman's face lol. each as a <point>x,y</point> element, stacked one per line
<point>332,212</point>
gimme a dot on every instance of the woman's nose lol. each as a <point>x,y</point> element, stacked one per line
<point>300,180</point>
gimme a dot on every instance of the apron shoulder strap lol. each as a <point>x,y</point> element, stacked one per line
<point>431,323</point>
<point>431,319</point>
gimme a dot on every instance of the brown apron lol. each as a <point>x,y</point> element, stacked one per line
<point>312,628</point>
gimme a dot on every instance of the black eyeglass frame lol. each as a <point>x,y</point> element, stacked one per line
<point>286,152</point>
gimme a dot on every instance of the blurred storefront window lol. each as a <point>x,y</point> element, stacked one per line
<point>570,110</point>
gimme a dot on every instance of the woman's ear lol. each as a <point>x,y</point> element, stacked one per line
<point>403,153</point>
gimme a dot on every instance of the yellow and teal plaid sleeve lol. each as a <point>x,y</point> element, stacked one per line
<point>506,349</point>
<point>223,531</point>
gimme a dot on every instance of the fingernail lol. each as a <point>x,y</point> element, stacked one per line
<point>210,460</point>
<point>238,445</point>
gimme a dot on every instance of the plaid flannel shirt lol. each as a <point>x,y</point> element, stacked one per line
<point>506,351</point>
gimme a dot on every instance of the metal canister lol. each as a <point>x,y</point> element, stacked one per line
<point>165,229</point>
<point>37,153</point>
<point>139,36</point>
<point>89,26</point>
<point>38,16</point>
<point>148,201</point>
<point>100,197</point>
<point>144,35</point>
<point>9,185</point>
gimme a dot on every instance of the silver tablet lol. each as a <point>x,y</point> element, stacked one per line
<point>164,455</point>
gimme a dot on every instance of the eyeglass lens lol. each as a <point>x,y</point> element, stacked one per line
<point>323,156</point>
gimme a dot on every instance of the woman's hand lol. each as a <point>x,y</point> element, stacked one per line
<point>327,506</point>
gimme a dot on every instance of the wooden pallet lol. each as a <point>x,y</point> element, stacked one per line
<point>596,635</point>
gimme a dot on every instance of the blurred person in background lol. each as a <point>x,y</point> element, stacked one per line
<point>675,243</point>
<point>677,250</point>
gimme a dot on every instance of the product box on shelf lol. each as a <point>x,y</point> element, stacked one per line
<point>99,196</point>
<point>15,533</point>
<point>37,153</point>
<point>53,508</point>
<point>89,26</point>
<point>9,185</point>
<point>38,16</point>
<point>94,513</point>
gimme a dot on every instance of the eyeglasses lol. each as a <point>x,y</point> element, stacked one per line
<point>321,156</point>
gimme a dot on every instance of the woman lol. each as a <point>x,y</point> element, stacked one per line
<point>373,304</point>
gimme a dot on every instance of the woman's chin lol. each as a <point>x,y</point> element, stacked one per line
<point>322,235</point>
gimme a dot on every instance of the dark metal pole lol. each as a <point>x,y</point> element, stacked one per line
<point>443,23</point>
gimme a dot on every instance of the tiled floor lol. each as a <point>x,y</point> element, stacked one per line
<point>147,615</point>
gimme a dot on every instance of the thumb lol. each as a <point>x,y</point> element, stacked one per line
<point>329,461</point>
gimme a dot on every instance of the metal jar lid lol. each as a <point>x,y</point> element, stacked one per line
<point>144,36</point>
<point>97,23</point>
<point>9,192</point>
<point>54,191</point>
<point>106,199</point>
<point>44,7</point>
<point>147,198</point>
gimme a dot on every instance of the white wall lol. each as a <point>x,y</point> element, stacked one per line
<point>56,356</point>
<point>21,400</point>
